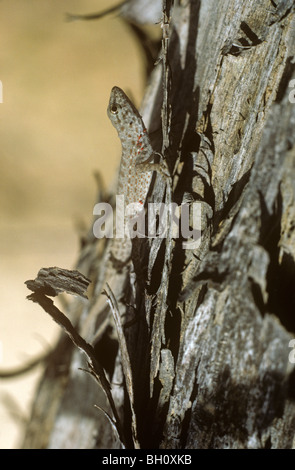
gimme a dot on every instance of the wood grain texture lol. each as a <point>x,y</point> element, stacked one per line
<point>215,333</point>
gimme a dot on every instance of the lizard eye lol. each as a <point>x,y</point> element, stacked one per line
<point>114,109</point>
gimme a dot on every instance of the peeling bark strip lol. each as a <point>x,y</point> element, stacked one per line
<point>54,281</point>
<point>200,359</point>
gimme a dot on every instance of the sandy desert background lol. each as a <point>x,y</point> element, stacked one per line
<point>54,133</point>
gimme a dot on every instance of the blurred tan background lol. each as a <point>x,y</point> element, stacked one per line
<point>54,133</point>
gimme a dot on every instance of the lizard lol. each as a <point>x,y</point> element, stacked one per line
<point>133,183</point>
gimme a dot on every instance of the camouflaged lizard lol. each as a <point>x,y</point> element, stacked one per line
<point>133,184</point>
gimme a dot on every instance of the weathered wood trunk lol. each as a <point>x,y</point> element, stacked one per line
<point>209,349</point>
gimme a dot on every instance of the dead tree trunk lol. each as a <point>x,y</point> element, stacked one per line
<point>209,344</point>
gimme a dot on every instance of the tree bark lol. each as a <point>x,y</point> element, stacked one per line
<point>209,350</point>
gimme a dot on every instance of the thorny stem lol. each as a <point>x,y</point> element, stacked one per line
<point>167,4</point>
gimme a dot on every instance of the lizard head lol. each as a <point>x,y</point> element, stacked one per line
<point>120,109</point>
